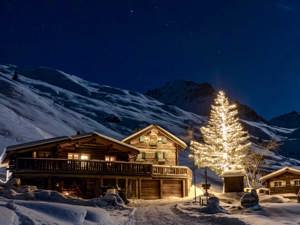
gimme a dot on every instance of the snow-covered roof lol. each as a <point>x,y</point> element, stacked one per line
<point>63,139</point>
<point>178,141</point>
<point>36,143</point>
<point>233,173</point>
<point>279,172</point>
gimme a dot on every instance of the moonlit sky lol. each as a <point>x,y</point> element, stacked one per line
<point>249,48</point>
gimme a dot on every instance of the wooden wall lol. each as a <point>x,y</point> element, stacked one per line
<point>134,187</point>
<point>149,151</point>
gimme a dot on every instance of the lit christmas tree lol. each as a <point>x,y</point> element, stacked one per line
<point>226,144</point>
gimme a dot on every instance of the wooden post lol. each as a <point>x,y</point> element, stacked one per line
<point>49,183</point>
<point>183,188</point>
<point>126,187</point>
<point>101,181</point>
<point>139,187</point>
<point>161,188</point>
<point>97,187</point>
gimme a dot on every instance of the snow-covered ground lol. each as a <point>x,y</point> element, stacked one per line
<point>17,212</point>
<point>269,213</point>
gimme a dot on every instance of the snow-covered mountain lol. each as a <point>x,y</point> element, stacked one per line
<point>290,147</point>
<point>43,102</point>
<point>290,120</point>
<point>195,98</point>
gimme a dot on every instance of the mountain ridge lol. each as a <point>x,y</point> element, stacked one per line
<point>34,108</point>
<point>188,95</point>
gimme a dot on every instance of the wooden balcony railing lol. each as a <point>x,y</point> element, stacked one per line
<point>97,167</point>
<point>179,171</point>
<point>66,166</point>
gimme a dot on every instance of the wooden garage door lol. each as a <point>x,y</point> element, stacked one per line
<point>150,189</point>
<point>172,188</point>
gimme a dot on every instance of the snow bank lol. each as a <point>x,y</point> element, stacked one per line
<point>34,212</point>
<point>32,193</point>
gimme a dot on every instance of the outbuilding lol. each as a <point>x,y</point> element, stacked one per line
<point>233,181</point>
<point>282,181</point>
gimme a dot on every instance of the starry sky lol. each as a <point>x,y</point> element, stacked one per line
<point>249,48</point>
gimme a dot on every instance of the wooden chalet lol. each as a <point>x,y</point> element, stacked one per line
<point>282,181</point>
<point>144,165</point>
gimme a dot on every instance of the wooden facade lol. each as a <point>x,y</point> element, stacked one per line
<point>283,181</point>
<point>84,165</point>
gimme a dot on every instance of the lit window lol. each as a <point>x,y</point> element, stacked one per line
<point>278,183</point>
<point>295,182</point>
<point>77,156</point>
<point>84,157</point>
<point>110,158</point>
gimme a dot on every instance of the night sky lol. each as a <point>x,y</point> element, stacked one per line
<point>249,48</point>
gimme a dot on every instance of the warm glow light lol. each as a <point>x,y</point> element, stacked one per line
<point>84,157</point>
<point>225,143</point>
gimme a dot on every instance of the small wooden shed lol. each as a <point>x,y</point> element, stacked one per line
<point>282,181</point>
<point>233,181</point>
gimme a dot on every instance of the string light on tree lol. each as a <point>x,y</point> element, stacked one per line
<point>225,142</point>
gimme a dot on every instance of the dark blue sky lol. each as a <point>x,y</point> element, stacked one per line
<point>249,48</point>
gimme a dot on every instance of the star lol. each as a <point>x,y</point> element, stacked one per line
<point>131,12</point>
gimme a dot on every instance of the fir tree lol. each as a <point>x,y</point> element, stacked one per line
<point>225,142</point>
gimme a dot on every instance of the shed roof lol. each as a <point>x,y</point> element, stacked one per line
<point>233,173</point>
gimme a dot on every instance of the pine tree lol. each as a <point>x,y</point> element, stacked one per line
<point>225,142</point>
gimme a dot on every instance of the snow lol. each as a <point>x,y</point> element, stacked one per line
<point>46,103</point>
<point>267,213</point>
<point>36,212</point>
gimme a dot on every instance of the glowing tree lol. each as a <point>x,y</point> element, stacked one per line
<point>225,142</point>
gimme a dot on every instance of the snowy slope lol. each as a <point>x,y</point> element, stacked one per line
<point>44,102</point>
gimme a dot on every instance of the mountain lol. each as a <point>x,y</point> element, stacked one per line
<point>290,147</point>
<point>289,120</point>
<point>195,98</point>
<point>43,103</point>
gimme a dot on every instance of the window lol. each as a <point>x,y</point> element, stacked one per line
<point>142,139</point>
<point>295,182</point>
<point>141,156</point>
<point>77,156</point>
<point>160,156</point>
<point>278,183</point>
<point>110,158</point>
<point>84,156</point>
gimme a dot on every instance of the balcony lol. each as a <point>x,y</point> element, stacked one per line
<point>96,167</point>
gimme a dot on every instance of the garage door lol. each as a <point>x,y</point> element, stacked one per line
<point>172,188</point>
<point>150,189</point>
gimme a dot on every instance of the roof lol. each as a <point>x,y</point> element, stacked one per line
<point>279,172</point>
<point>58,140</point>
<point>233,173</point>
<point>178,141</point>
<point>36,143</point>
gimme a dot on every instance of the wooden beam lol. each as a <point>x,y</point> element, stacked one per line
<point>160,188</point>
<point>139,187</point>
<point>126,187</point>
<point>183,188</point>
